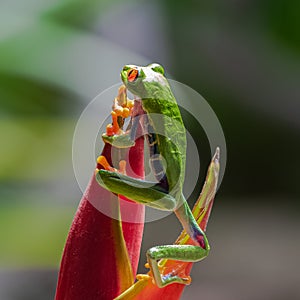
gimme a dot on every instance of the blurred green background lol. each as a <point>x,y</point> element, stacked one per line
<point>242,56</point>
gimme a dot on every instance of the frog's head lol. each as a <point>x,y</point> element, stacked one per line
<point>145,82</point>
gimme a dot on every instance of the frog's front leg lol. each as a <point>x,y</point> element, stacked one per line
<point>125,139</point>
<point>144,192</point>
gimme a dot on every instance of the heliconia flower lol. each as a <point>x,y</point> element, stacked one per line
<point>145,288</point>
<point>101,254</point>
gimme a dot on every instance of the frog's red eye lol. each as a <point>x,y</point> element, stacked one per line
<point>132,75</point>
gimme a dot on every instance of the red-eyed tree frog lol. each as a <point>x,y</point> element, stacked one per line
<point>166,136</point>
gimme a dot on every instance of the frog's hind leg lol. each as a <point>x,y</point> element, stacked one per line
<point>186,253</point>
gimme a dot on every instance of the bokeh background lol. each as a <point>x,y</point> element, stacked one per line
<point>242,56</point>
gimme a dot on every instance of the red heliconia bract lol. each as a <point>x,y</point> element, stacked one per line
<point>99,248</point>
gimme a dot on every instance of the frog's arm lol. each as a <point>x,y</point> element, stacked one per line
<point>144,192</point>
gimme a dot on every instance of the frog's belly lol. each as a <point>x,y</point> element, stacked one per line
<point>155,157</point>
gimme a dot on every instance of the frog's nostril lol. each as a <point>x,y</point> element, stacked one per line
<point>126,68</point>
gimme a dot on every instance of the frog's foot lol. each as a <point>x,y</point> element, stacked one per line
<point>102,161</point>
<point>160,268</point>
<point>115,127</point>
<point>175,276</point>
<point>184,279</point>
<point>150,274</point>
<point>140,277</point>
<point>122,109</point>
<point>167,279</point>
